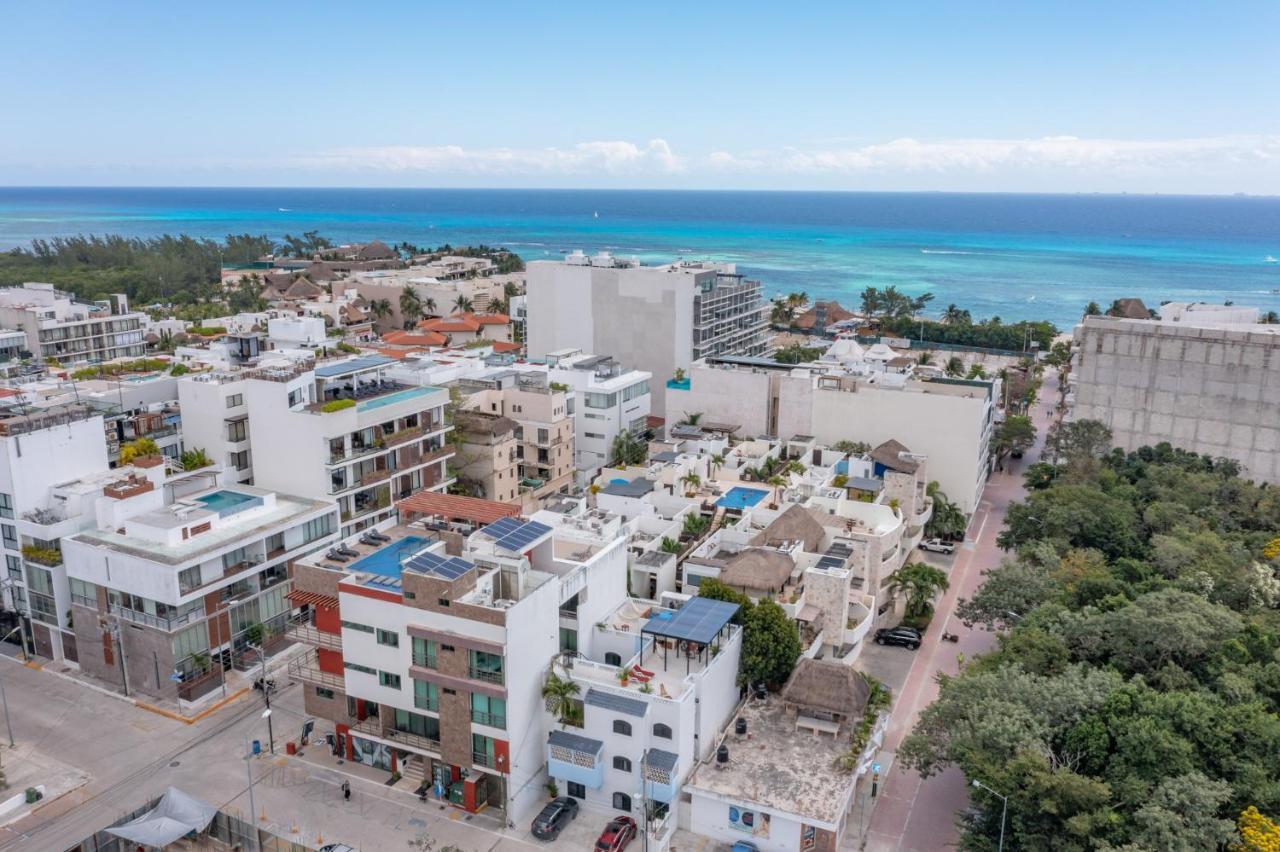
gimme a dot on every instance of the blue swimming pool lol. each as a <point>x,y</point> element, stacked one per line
<point>741,498</point>
<point>398,396</point>
<point>386,562</point>
<point>229,502</point>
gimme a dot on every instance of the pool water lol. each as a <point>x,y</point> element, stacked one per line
<point>386,562</point>
<point>229,502</point>
<point>741,498</point>
<point>398,396</point>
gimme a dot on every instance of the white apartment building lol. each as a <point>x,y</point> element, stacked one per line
<point>39,450</point>
<point>338,430</point>
<point>951,421</point>
<point>1200,380</point>
<point>69,331</point>
<point>612,400</point>
<point>177,578</point>
<point>654,318</point>
<point>432,647</point>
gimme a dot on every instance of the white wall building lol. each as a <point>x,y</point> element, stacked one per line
<point>69,331</point>
<point>611,400</point>
<point>655,318</point>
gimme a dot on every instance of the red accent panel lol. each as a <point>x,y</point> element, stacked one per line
<point>328,620</point>
<point>345,732</point>
<point>469,794</point>
<point>377,595</point>
<point>329,661</point>
<point>502,756</point>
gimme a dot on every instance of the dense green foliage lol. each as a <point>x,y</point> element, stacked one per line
<point>988,334</point>
<point>797,354</point>
<point>770,638</point>
<point>1134,699</point>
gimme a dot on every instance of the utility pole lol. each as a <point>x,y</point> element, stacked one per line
<point>116,634</point>
<point>8,723</point>
<point>253,813</point>
<point>266,693</point>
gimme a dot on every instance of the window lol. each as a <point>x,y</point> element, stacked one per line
<point>10,534</point>
<point>622,802</point>
<point>14,564</point>
<point>488,711</point>
<point>638,389</point>
<point>592,435</point>
<point>426,696</point>
<point>356,667</point>
<point>235,557</point>
<point>240,460</point>
<point>482,751</point>
<point>486,667</point>
<point>661,730</point>
<point>424,653</point>
<point>612,659</point>
<point>600,400</point>
<point>43,608</point>
<point>326,694</point>
<point>274,543</point>
<point>189,580</point>
<point>418,725</point>
<point>6,505</point>
<point>317,528</point>
<point>191,640</point>
<point>40,580</point>
<point>621,727</point>
<point>235,399</point>
<point>622,764</point>
<point>389,638</point>
<point>389,679</point>
<point>236,431</point>
<point>351,625</point>
<point>578,791</point>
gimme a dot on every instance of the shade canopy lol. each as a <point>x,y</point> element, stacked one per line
<point>700,620</point>
<point>175,816</point>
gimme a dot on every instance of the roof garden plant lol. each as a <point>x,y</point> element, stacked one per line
<point>337,405</point>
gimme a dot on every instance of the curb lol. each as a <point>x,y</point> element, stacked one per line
<point>190,720</point>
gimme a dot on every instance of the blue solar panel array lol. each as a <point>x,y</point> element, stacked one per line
<point>514,534</point>
<point>448,567</point>
<point>699,620</point>
<point>329,371</point>
<point>380,582</point>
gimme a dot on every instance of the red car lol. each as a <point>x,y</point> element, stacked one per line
<point>616,835</point>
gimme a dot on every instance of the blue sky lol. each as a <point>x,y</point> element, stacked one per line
<point>1079,96</point>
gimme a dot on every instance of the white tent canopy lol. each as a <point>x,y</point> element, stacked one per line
<point>174,816</point>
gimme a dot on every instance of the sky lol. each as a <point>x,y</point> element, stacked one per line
<point>1077,96</point>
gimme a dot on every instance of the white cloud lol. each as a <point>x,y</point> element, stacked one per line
<point>612,157</point>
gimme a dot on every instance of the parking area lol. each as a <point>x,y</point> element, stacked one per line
<point>581,833</point>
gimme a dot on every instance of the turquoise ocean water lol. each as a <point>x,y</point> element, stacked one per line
<point>1015,256</point>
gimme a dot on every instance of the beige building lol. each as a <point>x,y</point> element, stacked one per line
<point>486,461</point>
<point>544,431</point>
<point>482,293</point>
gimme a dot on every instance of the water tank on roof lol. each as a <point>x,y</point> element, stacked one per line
<point>722,754</point>
<point>740,727</point>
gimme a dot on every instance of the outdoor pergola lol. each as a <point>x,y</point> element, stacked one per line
<point>699,623</point>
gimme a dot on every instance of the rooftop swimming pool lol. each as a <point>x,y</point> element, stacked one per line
<point>229,502</point>
<point>386,562</point>
<point>740,498</point>
<point>398,396</point>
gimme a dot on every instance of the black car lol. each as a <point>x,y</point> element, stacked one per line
<point>907,637</point>
<point>552,819</point>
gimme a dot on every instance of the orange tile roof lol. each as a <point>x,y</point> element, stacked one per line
<point>456,322</point>
<point>492,319</point>
<point>503,346</point>
<point>414,338</point>
<point>456,507</point>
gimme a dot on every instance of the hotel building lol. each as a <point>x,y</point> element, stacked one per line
<point>69,331</point>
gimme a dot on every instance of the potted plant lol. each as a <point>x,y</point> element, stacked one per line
<point>624,675</point>
<point>552,790</point>
<point>646,688</point>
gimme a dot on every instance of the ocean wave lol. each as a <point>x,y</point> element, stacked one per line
<point>952,251</point>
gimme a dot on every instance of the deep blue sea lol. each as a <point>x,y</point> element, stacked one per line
<point>1015,256</point>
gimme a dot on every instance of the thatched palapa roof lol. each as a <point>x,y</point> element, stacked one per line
<point>826,686</point>
<point>795,524</point>
<point>887,454</point>
<point>757,568</point>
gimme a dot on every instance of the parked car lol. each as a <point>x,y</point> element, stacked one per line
<point>616,835</point>
<point>937,545</point>
<point>907,637</point>
<point>552,819</point>
<point>337,847</point>
<point>745,846</point>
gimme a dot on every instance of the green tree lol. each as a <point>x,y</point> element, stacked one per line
<point>137,449</point>
<point>410,306</point>
<point>954,367</point>
<point>918,582</point>
<point>1077,441</point>
<point>628,450</point>
<point>1016,434</point>
<point>770,645</point>
<point>561,695</point>
<point>717,591</point>
<point>194,459</point>
<point>1092,309</point>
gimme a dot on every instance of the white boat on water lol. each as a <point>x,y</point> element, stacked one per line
<point>1269,259</point>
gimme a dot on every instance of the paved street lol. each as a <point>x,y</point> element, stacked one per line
<point>133,755</point>
<point>911,814</point>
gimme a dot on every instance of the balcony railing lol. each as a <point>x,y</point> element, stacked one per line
<point>485,675</point>
<point>308,634</point>
<point>156,621</point>
<point>307,668</point>
<point>84,600</point>
<point>373,727</point>
<point>493,720</point>
<point>480,758</point>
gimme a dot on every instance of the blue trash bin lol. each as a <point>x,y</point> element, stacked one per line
<point>257,747</point>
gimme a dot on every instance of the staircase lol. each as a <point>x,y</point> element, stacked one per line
<point>414,770</point>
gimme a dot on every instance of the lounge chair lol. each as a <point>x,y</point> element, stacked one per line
<point>377,536</point>
<point>335,556</point>
<point>346,551</point>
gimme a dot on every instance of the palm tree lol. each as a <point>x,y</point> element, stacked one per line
<point>956,315</point>
<point>692,482</point>
<point>428,306</point>
<point>380,308</point>
<point>715,463</point>
<point>691,419</point>
<point>955,367</point>
<point>919,582</point>
<point>561,697</point>
<point>137,449</point>
<point>410,306</point>
<point>462,304</point>
<point>924,359</point>
<point>195,459</point>
<point>778,483</point>
<point>977,371</point>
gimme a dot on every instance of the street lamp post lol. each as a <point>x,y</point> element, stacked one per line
<point>266,693</point>
<point>1004,809</point>
<point>253,813</point>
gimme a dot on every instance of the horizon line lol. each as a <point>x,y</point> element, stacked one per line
<point>265,187</point>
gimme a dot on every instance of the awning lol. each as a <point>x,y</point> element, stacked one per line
<point>174,817</point>
<point>301,598</point>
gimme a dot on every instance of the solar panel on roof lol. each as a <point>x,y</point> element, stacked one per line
<point>453,569</point>
<point>502,527</point>
<point>526,535</point>
<point>699,620</point>
<point>425,562</point>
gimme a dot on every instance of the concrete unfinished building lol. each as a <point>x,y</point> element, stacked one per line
<point>1214,390</point>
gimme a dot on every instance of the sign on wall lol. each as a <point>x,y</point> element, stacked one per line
<point>752,822</point>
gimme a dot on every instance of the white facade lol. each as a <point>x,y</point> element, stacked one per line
<point>655,318</point>
<point>72,332</point>
<point>611,400</point>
